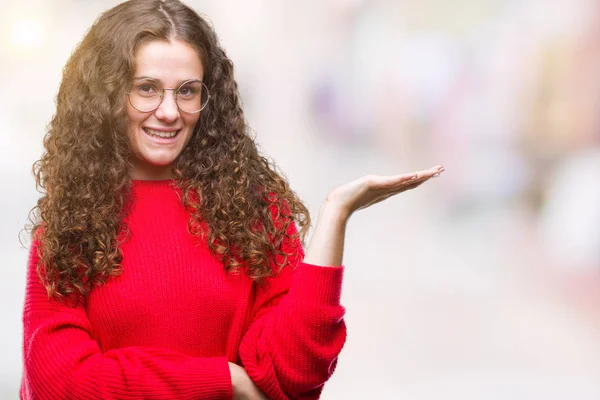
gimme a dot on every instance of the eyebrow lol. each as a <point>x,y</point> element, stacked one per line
<point>158,80</point>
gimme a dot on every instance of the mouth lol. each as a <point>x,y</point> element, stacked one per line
<point>162,135</point>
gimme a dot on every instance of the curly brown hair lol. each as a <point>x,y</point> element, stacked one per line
<point>84,174</point>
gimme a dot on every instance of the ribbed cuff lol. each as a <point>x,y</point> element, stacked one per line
<point>211,378</point>
<point>315,284</point>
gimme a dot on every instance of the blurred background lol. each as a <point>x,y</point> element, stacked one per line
<point>481,284</point>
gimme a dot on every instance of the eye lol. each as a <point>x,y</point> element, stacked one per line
<point>187,91</point>
<point>146,89</point>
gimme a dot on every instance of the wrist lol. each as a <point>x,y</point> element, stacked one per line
<point>333,212</point>
<point>327,241</point>
<point>234,372</point>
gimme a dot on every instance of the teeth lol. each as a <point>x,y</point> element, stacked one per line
<point>161,134</point>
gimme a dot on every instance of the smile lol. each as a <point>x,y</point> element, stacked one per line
<point>162,134</point>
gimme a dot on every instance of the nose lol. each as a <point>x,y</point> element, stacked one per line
<point>167,110</point>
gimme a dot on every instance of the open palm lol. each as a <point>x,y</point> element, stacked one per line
<point>371,189</point>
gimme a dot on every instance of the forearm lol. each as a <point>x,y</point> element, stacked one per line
<point>294,349</point>
<point>290,351</point>
<point>291,347</point>
<point>61,360</point>
<point>132,372</point>
<point>326,246</point>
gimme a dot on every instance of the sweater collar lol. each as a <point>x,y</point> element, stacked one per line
<point>152,187</point>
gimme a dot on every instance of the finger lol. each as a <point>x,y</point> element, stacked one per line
<point>377,182</point>
<point>390,181</point>
<point>389,194</point>
<point>428,173</point>
<point>415,184</point>
<point>418,178</point>
<point>393,193</point>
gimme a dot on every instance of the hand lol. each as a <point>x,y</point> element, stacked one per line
<point>371,189</point>
<point>243,387</point>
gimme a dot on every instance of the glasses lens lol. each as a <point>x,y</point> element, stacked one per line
<point>145,95</point>
<point>192,96</point>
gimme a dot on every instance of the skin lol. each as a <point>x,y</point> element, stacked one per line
<point>175,61</point>
<point>326,246</point>
<point>170,62</point>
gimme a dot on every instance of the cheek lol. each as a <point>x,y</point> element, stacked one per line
<point>190,123</point>
<point>191,120</point>
<point>134,119</point>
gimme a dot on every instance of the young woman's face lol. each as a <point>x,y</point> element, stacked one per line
<point>154,148</point>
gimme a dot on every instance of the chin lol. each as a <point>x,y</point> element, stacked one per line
<point>161,162</point>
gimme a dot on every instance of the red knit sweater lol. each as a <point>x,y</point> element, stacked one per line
<point>168,325</point>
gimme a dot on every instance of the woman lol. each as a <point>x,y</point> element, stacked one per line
<point>165,261</point>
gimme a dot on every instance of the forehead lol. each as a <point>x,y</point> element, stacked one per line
<point>168,61</point>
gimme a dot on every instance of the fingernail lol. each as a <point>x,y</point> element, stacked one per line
<point>436,175</point>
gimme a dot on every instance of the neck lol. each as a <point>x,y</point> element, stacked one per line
<point>145,172</point>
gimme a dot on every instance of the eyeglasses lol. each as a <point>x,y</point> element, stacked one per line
<point>146,95</point>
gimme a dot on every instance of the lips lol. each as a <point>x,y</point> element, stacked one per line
<point>162,134</point>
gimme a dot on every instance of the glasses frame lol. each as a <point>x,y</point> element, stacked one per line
<point>175,90</point>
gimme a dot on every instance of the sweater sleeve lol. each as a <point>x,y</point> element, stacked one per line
<point>62,361</point>
<point>297,331</point>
